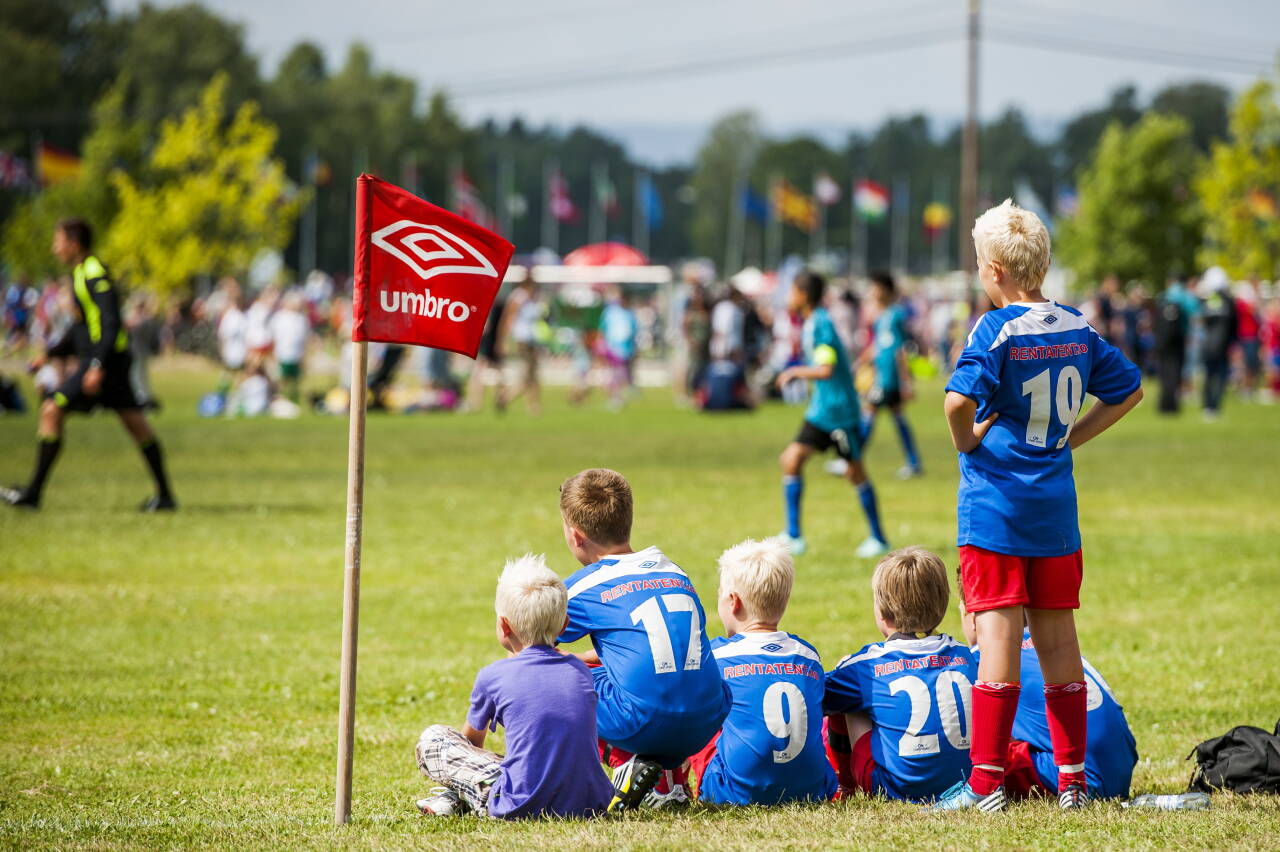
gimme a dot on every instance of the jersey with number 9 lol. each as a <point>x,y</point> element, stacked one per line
<point>648,626</point>
<point>918,695</point>
<point>770,748</point>
<point>1032,364</point>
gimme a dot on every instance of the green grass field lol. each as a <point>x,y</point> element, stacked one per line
<point>172,681</point>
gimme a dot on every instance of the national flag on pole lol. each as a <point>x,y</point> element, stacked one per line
<point>53,165</point>
<point>650,201</point>
<point>826,190</point>
<point>423,276</point>
<point>467,203</point>
<point>793,206</point>
<point>561,204</point>
<point>871,199</point>
<point>937,218</point>
<point>754,207</point>
<point>606,195</point>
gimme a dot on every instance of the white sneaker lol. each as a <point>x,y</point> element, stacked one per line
<point>910,471</point>
<point>441,802</point>
<point>660,801</point>
<point>797,545</point>
<point>872,548</point>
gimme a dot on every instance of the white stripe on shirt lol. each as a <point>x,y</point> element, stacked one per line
<point>927,645</point>
<point>752,644</point>
<point>628,563</point>
<point>1033,322</point>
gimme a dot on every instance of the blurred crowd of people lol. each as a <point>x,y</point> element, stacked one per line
<point>1224,333</point>
<point>725,341</point>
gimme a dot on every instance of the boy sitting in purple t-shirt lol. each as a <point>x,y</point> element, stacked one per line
<point>545,700</point>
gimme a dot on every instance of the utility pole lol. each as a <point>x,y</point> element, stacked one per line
<point>969,157</point>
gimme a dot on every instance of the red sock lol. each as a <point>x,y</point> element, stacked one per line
<point>994,706</point>
<point>613,756</point>
<point>1066,707</point>
<point>840,750</point>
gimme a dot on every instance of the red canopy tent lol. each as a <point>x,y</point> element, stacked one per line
<point>605,254</point>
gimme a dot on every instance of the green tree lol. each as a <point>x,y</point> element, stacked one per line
<point>1138,218</point>
<point>1203,105</point>
<point>1240,186</point>
<point>1080,136</point>
<point>723,160</point>
<point>210,198</point>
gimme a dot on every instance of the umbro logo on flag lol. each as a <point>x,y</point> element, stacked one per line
<point>423,275</point>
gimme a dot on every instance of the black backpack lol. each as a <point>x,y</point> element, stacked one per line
<point>1244,760</point>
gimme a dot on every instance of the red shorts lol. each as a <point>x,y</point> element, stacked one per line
<point>699,762</point>
<point>997,580</point>
<point>853,768</point>
<point>1020,776</point>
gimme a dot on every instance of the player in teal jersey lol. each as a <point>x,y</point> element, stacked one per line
<point>892,388</point>
<point>832,420</point>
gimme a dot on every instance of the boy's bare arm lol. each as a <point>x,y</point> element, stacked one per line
<point>1101,417</point>
<point>818,372</point>
<point>476,738</point>
<point>591,658</point>
<point>966,435</point>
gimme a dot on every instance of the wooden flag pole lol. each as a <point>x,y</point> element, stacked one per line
<point>351,580</point>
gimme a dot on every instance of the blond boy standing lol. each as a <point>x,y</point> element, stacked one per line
<point>1015,406</point>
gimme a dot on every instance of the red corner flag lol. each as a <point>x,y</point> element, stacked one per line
<point>423,275</point>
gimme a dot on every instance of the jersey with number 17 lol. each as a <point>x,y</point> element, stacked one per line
<point>918,695</point>
<point>1032,364</point>
<point>649,629</point>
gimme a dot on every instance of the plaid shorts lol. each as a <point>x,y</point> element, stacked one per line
<point>448,758</point>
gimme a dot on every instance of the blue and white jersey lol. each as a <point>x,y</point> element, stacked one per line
<point>918,695</point>
<point>1031,363</point>
<point>834,404</point>
<point>648,626</point>
<point>770,749</point>
<point>1111,752</point>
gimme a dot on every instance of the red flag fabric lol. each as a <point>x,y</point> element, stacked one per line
<point>423,275</point>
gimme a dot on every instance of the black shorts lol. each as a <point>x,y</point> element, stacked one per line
<point>115,391</point>
<point>881,397</point>
<point>847,443</point>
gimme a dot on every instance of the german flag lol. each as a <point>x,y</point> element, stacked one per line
<point>53,165</point>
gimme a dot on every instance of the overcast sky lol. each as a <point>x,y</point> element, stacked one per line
<point>656,72</point>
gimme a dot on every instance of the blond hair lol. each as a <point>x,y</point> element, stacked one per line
<point>597,503</point>
<point>761,574</point>
<point>1016,239</point>
<point>532,599</point>
<point>910,590</point>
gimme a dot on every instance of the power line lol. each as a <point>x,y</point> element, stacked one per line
<point>1131,52</point>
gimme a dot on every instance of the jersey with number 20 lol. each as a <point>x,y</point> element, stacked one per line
<point>918,695</point>
<point>648,626</point>
<point>1031,363</point>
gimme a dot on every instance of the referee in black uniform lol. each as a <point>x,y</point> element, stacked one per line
<point>100,342</point>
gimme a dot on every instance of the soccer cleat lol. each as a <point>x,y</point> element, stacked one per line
<point>19,498</point>
<point>796,544</point>
<point>961,796</point>
<point>632,782</point>
<point>675,797</point>
<point>1073,798</point>
<point>872,548</point>
<point>441,801</point>
<point>158,504</point>
<point>910,471</point>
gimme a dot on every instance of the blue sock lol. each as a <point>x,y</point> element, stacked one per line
<point>792,490</point>
<point>908,440</point>
<point>867,495</point>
